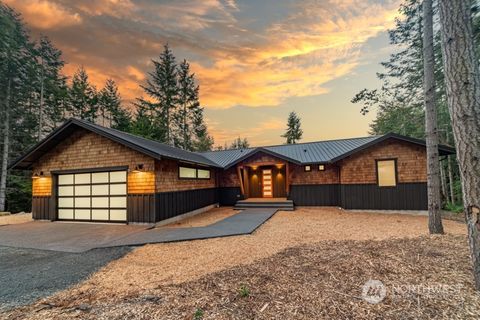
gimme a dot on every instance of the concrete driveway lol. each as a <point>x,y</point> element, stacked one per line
<point>65,237</point>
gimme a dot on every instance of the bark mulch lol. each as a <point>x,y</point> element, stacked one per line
<point>426,277</point>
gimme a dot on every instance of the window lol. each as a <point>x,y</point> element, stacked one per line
<point>308,168</point>
<point>188,173</point>
<point>203,174</point>
<point>193,173</point>
<point>387,173</point>
<point>321,167</point>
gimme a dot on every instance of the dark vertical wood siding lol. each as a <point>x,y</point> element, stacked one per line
<point>279,186</point>
<point>228,196</point>
<point>141,208</point>
<point>255,183</point>
<point>315,194</point>
<point>42,207</point>
<point>405,196</point>
<point>171,204</point>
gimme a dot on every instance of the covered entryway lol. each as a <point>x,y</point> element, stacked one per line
<point>266,181</point>
<point>92,196</point>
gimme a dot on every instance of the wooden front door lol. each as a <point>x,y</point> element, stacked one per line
<point>267,184</point>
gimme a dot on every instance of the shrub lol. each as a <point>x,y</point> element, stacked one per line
<point>454,207</point>
<point>244,291</point>
<point>198,314</point>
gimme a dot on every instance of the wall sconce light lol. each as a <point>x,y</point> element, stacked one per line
<point>37,175</point>
<point>254,168</point>
<point>321,167</point>
<point>138,168</point>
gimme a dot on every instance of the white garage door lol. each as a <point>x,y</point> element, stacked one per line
<point>94,196</point>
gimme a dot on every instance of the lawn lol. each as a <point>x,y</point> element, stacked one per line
<point>310,263</point>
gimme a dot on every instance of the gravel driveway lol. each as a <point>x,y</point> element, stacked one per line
<point>29,274</point>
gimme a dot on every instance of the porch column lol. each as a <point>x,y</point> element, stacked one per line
<point>287,179</point>
<point>240,178</point>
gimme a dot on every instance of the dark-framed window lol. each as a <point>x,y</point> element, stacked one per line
<point>185,172</point>
<point>386,172</point>
<point>307,168</point>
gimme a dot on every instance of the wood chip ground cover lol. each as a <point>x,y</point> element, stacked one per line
<point>308,264</point>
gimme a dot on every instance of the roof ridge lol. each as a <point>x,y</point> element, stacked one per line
<point>301,143</point>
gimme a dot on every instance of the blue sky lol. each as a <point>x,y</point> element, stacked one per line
<point>255,61</point>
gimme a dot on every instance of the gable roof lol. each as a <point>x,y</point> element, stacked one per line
<point>151,148</point>
<point>320,152</point>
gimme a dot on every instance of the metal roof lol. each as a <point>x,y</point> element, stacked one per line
<point>301,153</point>
<point>312,152</point>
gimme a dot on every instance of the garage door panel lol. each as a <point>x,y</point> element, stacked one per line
<point>118,202</point>
<point>100,177</point>
<point>65,213</point>
<point>118,189</point>
<point>118,215</point>
<point>82,202</point>
<point>65,202</point>
<point>97,196</point>
<point>100,189</point>
<point>82,178</point>
<point>82,214</point>
<point>82,190</point>
<point>118,176</point>
<point>65,179</point>
<point>100,202</point>
<point>65,190</point>
<point>100,214</point>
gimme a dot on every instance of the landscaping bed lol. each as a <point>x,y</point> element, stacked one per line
<point>321,280</point>
<point>308,263</point>
<point>15,218</point>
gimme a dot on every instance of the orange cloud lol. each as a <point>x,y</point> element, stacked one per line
<point>298,57</point>
<point>44,14</point>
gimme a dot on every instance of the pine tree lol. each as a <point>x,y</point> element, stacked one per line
<point>187,104</point>
<point>162,89</point>
<point>239,143</point>
<point>17,76</point>
<point>202,140</point>
<point>110,110</point>
<point>53,89</point>
<point>82,97</point>
<point>293,133</point>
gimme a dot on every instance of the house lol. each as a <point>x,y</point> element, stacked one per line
<point>83,171</point>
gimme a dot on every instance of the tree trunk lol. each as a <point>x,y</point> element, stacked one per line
<point>6,137</point>
<point>40,112</point>
<point>443,184</point>
<point>450,179</point>
<point>462,81</point>
<point>433,163</point>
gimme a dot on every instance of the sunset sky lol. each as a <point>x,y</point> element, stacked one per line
<point>255,60</point>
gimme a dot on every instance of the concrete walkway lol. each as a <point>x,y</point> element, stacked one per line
<point>244,222</point>
<point>81,237</point>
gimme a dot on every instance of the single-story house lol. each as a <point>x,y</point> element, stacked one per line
<point>86,172</point>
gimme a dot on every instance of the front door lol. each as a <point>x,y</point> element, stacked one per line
<point>267,183</point>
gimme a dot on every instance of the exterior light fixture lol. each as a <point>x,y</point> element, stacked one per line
<point>37,175</point>
<point>321,167</point>
<point>308,168</point>
<point>138,168</point>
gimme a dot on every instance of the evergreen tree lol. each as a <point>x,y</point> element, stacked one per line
<point>17,78</point>
<point>239,143</point>
<point>52,87</point>
<point>293,133</point>
<point>162,90</point>
<point>82,97</point>
<point>110,110</point>
<point>202,140</point>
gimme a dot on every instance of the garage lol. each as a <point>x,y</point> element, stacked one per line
<point>92,196</point>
